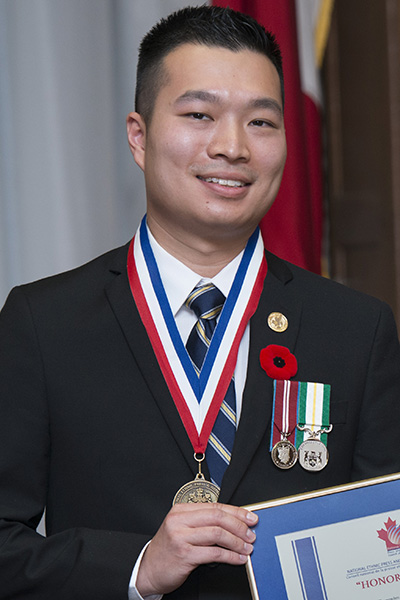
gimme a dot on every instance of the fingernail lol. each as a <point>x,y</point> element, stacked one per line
<point>243,558</point>
<point>252,517</point>
<point>248,548</point>
<point>250,534</point>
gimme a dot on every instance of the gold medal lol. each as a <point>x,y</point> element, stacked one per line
<point>284,454</point>
<point>197,491</point>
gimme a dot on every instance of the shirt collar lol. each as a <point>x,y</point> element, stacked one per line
<point>178,280</point>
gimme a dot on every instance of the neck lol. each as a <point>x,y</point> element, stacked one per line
<point>207,257</point>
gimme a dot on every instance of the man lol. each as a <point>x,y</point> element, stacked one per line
<point>99,399</point>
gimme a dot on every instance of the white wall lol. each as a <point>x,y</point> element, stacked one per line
<point>69,189</point>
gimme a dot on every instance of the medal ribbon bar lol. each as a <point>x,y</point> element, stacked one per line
<point>313,411</point>
<point>284,416</point>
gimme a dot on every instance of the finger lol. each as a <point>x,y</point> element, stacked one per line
<point>241,513</point>
<point>235,520</point>
<point>202,555</point>
<point>218,536</point>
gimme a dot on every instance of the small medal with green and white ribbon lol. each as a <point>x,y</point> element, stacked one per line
<point>313,425</point>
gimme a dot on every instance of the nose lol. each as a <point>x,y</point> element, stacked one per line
<point>229,141</point>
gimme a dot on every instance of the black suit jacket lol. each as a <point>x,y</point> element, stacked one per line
<point>89,430</point>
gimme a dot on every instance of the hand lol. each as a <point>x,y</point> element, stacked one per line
<point>192,535</point>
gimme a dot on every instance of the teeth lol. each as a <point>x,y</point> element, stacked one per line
<point>227,182</point>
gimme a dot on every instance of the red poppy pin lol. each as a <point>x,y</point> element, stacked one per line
<point>278,362</point>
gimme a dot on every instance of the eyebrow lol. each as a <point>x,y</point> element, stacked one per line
<point>198,95</point>
<point>203,95</point>
<point>267,103</point>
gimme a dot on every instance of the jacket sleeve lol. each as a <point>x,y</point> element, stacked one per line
<point>376,448</point>
<point>77,563</point>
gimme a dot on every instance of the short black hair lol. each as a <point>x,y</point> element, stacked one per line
<point>213,26</point>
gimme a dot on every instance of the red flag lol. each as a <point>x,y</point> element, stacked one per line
<point>293,227</point>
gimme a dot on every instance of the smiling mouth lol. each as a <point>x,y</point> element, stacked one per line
<point>226,182</point>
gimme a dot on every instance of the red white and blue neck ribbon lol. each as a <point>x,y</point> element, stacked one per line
<point>195,395</point>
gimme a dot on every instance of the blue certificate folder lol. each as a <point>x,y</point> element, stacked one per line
<point>308,511</point>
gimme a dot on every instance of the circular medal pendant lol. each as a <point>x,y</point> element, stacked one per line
<point>197,491</point>
<point>284,454</point>
<point>313,455</point>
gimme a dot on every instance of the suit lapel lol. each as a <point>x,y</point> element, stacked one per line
<point>125,311</point>
<point>258,393</point>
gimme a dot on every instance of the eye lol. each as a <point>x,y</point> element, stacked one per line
<point>198,116</point>
<point>261,123</point>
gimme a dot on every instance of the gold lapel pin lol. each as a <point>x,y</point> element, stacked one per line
<point>278,322</point>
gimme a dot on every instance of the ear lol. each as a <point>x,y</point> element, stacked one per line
<point>136,130</point>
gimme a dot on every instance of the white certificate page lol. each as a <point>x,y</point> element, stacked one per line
<point>351,560</point>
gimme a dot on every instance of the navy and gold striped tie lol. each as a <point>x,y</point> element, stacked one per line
<point>207,301</point>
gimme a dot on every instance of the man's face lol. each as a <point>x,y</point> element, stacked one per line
<point>214,151</point>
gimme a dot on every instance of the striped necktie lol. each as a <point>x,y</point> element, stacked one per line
<point>207,301</point>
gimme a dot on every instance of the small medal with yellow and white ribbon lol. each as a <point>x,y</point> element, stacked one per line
<point>313,425</point>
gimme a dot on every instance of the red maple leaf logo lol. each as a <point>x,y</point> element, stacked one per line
<point>386,534</point>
